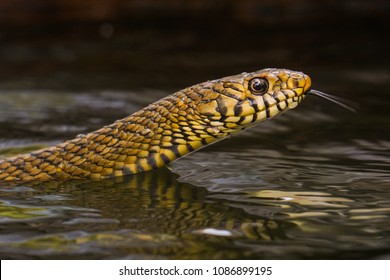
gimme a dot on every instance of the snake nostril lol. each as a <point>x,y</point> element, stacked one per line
<point>295,82</point>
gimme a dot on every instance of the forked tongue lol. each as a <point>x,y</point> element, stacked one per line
<point>347,104</point>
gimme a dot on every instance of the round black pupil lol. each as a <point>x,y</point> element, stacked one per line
<point>258,85</point>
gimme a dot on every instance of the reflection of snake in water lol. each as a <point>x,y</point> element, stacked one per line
<point>153,214</point>
<point>177,208</point>
<point>167,129</point>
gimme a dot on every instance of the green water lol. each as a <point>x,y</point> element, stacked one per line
<point>313,183</point>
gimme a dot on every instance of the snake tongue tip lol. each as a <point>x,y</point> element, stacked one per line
<point>346,104</point>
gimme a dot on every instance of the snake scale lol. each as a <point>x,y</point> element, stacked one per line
<point>166,130</point>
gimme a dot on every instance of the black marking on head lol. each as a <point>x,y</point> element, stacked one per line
<point>254,117</point>
<point>222,118</point>
<point>204,142</point>
<point>268,113</point>
<point>234,87</point>
<point>222,109</point>
<point>266,103</point>
<point>254,104</point>
<point>217,90</point>
<point>241,120</point>
<point>238,109</point>
<point>295,93</point>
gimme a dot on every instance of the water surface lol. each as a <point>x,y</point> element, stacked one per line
<point>313,183</point>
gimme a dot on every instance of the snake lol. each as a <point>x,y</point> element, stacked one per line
<point>168,129</point>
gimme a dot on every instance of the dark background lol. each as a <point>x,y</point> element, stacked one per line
<point>69,67</point>
<point>118,44</point>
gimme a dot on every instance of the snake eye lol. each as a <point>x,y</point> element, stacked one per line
<point>258,86</point>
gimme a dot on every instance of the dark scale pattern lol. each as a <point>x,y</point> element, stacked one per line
<point>163,131</point>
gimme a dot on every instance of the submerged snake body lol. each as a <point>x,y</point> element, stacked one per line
<point>165,130</point>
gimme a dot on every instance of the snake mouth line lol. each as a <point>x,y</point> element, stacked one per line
<point>346,104</point>
<point>273,110</point>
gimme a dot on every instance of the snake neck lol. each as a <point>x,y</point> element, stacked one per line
<point>162,132</point>
<point>150,138</point>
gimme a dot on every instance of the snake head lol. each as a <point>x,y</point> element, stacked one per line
<point>251,97</point>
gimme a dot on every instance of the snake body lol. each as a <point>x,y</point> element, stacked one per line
<point>166,130</point>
